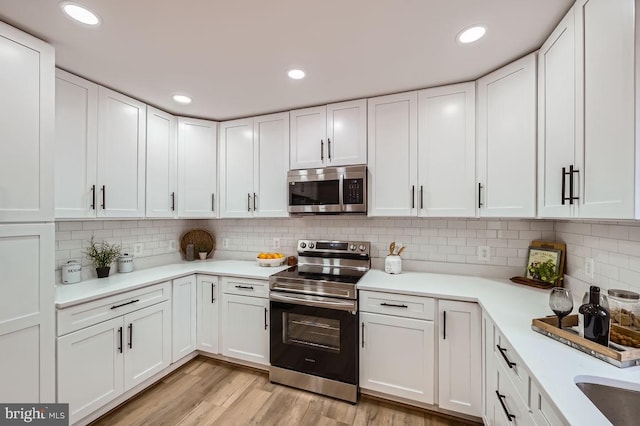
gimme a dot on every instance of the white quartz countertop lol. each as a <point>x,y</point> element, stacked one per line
<point>85,291</point>
<point>512,307</point>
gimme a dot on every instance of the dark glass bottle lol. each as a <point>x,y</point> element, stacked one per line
<point>596,318</point>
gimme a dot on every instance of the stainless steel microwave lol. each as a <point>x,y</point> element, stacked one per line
<point>330,190</point>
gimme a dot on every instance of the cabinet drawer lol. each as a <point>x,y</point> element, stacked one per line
<point>505,401</point>
<point>506,357</point>
<point>398,304</point>
<point>245,287</point>
<point>90,313</point>
<point>543,412</point>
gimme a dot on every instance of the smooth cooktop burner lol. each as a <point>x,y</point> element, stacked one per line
<point>340,275</point>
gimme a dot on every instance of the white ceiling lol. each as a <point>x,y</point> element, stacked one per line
<point>231,56</point>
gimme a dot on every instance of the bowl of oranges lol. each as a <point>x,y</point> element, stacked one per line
<point>270,259</point>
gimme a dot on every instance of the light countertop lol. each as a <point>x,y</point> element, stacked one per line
<point>512,307</point>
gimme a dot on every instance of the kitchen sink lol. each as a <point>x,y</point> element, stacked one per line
<point>617,400</point>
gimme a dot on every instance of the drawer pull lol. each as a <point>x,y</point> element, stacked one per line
<point>504,406</point>
<point>393,305</point>
<point>125,304</point>
<point>503,352</point>
<point>245,287</point>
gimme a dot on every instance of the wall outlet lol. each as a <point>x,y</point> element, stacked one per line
<point>137,249</point>
<point>589,267</point>
<point>276,243</point>
<point>172,244</point>
<point>225,243</point>
<point>484,253</point>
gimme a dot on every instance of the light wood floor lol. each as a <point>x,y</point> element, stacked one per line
<point>210,392</point>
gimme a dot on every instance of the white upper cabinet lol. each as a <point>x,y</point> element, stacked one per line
<point>329,135</point>
<point>76,146</point>
<point>254,155</point>
<point>392,150</point>
<point>162,162</point>
<point>586,147</point>
<point>446,151</point>
<point>26,127</point>
<point>197,168</point>
<point>121,155</point>
<point>506,140</point>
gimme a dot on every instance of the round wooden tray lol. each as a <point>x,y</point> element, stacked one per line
<point>200,239</point>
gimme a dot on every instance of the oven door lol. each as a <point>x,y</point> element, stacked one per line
<point>315,335</point>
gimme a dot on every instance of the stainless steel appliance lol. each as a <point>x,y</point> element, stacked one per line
<point>330,190</point>
<point>314,318</point>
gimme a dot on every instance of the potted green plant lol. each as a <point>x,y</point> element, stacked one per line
<point>202,252</point>
<point>102,255</point>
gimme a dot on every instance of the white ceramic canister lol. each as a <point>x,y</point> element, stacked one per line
<point>71,272</point>
<point>125,263</point>
<point>393,264</point>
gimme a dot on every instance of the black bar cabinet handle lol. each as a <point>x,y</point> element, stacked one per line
<point>571,172</point>
<point>321,150</point>
<point>444,325</point>
<point>393,305</point>
<point>130,335</point>
<point>564,175</point>
<point>125,304</point>
<point>329,148</point>
<point>363,334</point>
<point>104,196</point>
<point>173,201</point>
<point>503,352</point>
<point>245,287</point>
<point>254,201</point>
<point>213,289</point>
<point>120,338</point>
<point>504,407</point>
<point>213,202</point>
<point>93,197</point>
<point>421,196</point>
<point>265,318</point>
<point>479,195</point>
<point>413,196</point>
<point>248,202</point>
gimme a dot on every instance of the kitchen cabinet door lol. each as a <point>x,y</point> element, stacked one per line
<point>459,357</point>
<point>121,155</point>
<point>76,146</point>
<point>197,168</point>
<point>606,52</point>
<point>208,313</point>
<point>556,117</point>
<point>506,140</point>
<point>245,333</point>
<point>184,317</point>
<point>397,356</point>
<point>392,150</point>
<point>346,133</point>
<point>90,367</point>
<point>271,153</point>
<point>162,164</point>
<point>27,133</point>
<point>237,195</point>
<point>446,151</point>
<point>308,138</point>
<point>147,350</point>
<point>27,318</point>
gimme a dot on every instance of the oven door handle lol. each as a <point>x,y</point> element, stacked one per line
<point>346,305</point>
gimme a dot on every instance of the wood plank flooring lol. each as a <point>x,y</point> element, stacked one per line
<point>211,392</point>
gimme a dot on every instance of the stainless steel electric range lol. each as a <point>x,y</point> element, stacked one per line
<point>314,318</point>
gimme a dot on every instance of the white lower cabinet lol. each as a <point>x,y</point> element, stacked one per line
<point>100,362</point>
<point>397,356</point>
<point>184,317</point>
<point>208,314</point>
<point>245,320</point>
<point>459,357</point>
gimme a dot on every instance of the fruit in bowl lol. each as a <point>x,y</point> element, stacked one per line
<point>270,259</point>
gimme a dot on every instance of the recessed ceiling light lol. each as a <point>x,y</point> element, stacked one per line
<point>182,99</point>
<point>471,34</point>
<point>80,13</point>
<point>296,74</point>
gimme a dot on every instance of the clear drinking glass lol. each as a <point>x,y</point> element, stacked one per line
<point>561,303</point>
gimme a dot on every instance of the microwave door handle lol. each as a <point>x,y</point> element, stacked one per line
<point>341,193</point>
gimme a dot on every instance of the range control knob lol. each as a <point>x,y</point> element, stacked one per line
<point>352,247</point>
<point>361,247</point>
<point>303,245</point>
<point>311,245</point>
